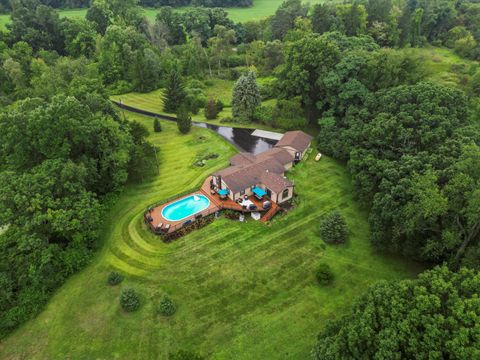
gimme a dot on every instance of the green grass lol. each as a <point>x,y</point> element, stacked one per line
<point>244,291</point>
<point>260,9</point>
<point>219,89</point>
<point>446,67</point>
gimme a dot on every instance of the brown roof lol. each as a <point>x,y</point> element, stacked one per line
<point>298,140</point>
<point>275,182</point>
<point>241,177</point>
<point>279,154</point>
<point>242,158</point>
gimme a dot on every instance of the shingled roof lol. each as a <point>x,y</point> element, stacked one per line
<point>241,177</point>
<point>297,140</point>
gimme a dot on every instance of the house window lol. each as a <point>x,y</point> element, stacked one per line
<point>285,194</point>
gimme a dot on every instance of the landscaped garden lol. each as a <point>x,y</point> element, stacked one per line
<point>240,290</point>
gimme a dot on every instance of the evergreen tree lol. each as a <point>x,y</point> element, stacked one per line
<point>174,95</point>
<point>211,109</point>
<point>246,97</point>
<point>184,121</point>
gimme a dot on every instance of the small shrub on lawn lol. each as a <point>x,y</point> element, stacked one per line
<point>184,121</point>
<point>129,300</point>
<point>324,274</point>
<point>167,307</point>
<point>157,127</point>
<point>333,228</point>
<point>114,278</point>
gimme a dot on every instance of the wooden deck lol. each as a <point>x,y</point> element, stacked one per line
<point>160,225</point>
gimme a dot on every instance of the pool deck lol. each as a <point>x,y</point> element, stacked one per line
<point>216,204</point>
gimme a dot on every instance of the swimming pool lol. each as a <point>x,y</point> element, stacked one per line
<point>183,208</point>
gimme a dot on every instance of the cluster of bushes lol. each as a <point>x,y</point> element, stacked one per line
<point>197,224</point>
<point>202,159</point>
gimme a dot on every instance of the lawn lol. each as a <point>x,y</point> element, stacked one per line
<point>244,291</point>
<point>218,89</point>
<point>260,9</point>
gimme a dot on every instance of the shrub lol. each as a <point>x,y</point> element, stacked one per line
<point>324,274</point>
<point>167,307</point>
<point>129,300</point>
<point>184,121</point>
<point>157,127</point>
<point>333,228</point>
<point>114,278</point>
<point>264,114</point>
<point>211,110</point>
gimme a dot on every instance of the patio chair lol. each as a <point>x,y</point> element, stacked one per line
<point>166,228</point>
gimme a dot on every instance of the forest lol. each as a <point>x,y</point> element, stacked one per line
<point>348,72</point>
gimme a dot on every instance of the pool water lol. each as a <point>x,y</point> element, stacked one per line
<point>186,207</point>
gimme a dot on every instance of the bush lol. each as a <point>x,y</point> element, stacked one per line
<point>167,307</point>
<point>184,121</point>
<point>333,228</point>
<point>324,274</point>
<point>114,278</point>
<point>211,109</point>
<point>264,114</point>
<point>129,300</point>
<point>289,115</point>
<point>157,127</point>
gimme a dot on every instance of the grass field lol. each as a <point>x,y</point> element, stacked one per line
<point>260,9</point>
<point>219,89</point>
<point>244,291</point>
<point>446,67</point>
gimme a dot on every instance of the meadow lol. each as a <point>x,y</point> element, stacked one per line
<point>217,89</point>
<point>260,9</point>
<point>243,290</point>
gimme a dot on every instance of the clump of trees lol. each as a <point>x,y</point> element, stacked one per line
<point>333,228</point>
<point>129,300</point>
<point>435,314</point>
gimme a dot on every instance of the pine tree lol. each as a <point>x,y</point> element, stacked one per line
<point>184,121</point>
<point>211,109</point>
<point>246,97</point>
<point>174,95</point>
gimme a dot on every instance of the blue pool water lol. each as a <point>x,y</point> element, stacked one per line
<point>185,207</point>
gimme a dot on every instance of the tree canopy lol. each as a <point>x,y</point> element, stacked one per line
<point>433,317</point>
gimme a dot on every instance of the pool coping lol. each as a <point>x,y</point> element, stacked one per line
<point>197,193</point>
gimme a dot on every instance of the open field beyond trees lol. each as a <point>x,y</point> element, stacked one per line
<point>244,290</point>
<point>259,10</point>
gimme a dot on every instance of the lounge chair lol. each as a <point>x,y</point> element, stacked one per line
<point>166,228</point>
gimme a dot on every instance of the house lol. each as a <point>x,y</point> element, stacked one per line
<point>265,172</point>
<point>295,142</point>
